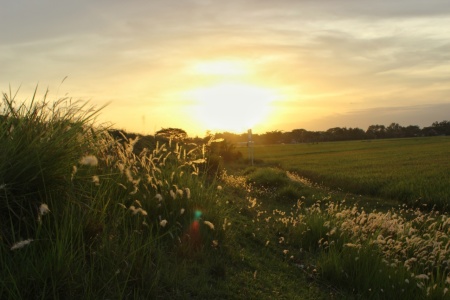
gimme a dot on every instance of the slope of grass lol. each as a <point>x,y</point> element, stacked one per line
<point>90,217</point>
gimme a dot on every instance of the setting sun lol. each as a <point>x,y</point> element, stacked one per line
<point>232,107</point>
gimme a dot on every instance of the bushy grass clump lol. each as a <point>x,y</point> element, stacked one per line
<point>85,215</point>
<point>39,143</point>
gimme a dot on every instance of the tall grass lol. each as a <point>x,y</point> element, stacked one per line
<point>40,142</point>
<point>119,223</point>
<point>398,254</point>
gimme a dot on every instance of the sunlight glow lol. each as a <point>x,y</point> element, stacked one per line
<point>233,107</point>
<point>220,67</point>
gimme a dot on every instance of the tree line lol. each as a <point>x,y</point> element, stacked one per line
<point>394,130</point>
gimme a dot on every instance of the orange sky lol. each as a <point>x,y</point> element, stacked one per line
<point>230,65</point>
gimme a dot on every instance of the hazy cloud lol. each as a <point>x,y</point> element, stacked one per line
<point>322,53</point>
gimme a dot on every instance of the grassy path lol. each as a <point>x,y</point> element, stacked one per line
<point>265,267</point>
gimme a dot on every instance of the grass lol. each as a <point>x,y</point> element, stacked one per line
<point>123,224</point>
<point>398,253</point>
<point>413,170</point>
<point>156,223</point>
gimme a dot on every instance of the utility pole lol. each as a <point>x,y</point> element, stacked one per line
<point>250,146</point>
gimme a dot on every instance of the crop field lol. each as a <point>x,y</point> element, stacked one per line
<point>413,170</point>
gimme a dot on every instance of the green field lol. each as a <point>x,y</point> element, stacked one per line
<point>413,170</point>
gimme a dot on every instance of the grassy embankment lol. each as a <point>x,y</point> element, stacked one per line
<point>159,224</point>
<point>85,217</point>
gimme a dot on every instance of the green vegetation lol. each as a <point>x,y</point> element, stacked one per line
<point>414,171</point>
<point>85,215</point>
<point>398,253</point>
<point>88,215</point>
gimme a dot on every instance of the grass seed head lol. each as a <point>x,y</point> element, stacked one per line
<point>89,160</point>
<point>21,244</point>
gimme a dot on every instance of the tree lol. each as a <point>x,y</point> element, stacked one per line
<point>412,131</point>
<point>394,131</point>
<point>442,128</point>
<point>273,137</point>
<point>299,135</point>
<point>376,131</point>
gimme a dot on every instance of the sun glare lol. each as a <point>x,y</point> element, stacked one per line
<point>233,107</point>
<point>220,67</point>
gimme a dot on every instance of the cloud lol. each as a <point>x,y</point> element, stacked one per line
<point>322,54</point>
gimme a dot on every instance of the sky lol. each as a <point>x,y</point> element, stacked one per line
<point>233,65</point>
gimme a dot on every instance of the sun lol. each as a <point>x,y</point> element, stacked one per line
<point>231,106</point>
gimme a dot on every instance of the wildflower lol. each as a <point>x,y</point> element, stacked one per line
<point>285,252</point>
<point>159,197</point>
<point>267,243</point>
<point>180,193</point>
<point>89,160</point>
<point>163,223</point>
<point>281,240</point>
<point>43,209</point>
<point>209,224</point>
<point>181,211</point>
<point>406,280</point>
<point>173,195</point>
<point>219,187</point>
<point>21,244</point>
<point>188,193</point>
<point>215,243</point>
